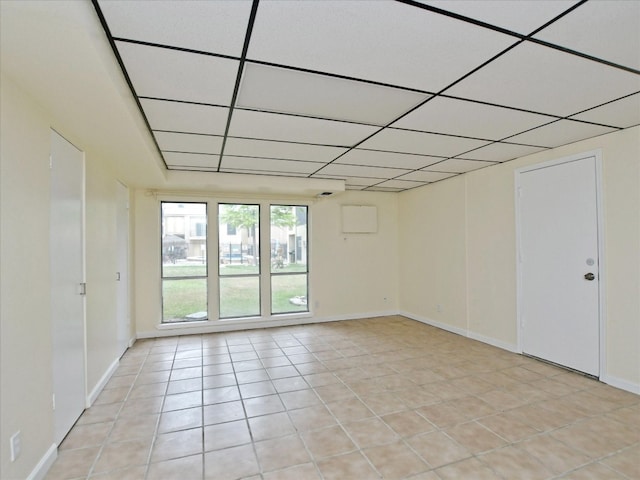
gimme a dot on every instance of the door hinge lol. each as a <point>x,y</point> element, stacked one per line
<point>82,288</point>
<point>117,276</point>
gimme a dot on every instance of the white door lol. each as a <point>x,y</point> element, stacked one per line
<point>122,274</point>
<point>67,287</point>
<point>558,271</point>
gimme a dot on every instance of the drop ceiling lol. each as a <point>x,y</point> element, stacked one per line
<point>385,95</point>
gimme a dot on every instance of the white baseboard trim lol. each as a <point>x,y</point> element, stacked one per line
<point>102,382</point>
<point>252,324</point>
<point>494,342</point>
<point>43,466</point>
<point>132,340</point>
<point>621,384</point>
<point>433,323</point>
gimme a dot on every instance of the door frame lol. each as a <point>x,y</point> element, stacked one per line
<point>597,155</point>
<point>125,258</point>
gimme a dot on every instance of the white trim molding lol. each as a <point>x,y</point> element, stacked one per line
<point>102,382</point>
<point>621,383</point>
<point>45,463</point>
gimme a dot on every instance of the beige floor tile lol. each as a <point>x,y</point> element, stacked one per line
<point>555,455</point>
<point>349,410</point>
<point>408,423</point>
<point>469,409</point>
<point>129,428</point>
<point>230,464</point>
<point>312,418</point>
<point>511,462</point>
<point>220,395</point>
<point>73,463</point>
<point>142,406</point>
<point>83,436</point>
<point>280,453</point>
<point>470,468</point>
<point>100,414</point>
<point>223,412</point>
<point>131,473</point>
<point>263,405</point>
<point>300,399</point>
<point>123,454</point>
<point>438,449</point>
<point>271,426</point>
<point>395,461</point>
<point>180,401</point>
<point>328,442</point>
<point>172,445</point>
<point>179,468</point>
<point>184,386</point>
<point>626,462</point>
<point>593,471</point>
<point>289,384</point>
<point>180,420</point>
<point>224,435</point>
<point>475,437</point>
<point>300,472</point>
<point>371,432</point>
<point>349,466</point>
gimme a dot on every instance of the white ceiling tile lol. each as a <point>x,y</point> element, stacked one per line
<point>522,16</point>
<point>182,142</point>
<point>185,117</point>
<point>270,126</point>
<point>559,133</point>
<point>354,171</point>
<point>217,27</point>
<point>544,80</point>
<point>470,119</point>
<point>458,165</point>
<point>196,160</point>
<point>262,172</point>
<point>163,73</point>
<point>605,29</point>
<point>288,151</point>
<point>421,143</point>
<point>269,164</point>
<point>501,152</point>
<point>355,187</point>
<point>374,158</point>
<point>353,181</point>
<point>622,113</point>
<point>422,176</point>
<point>289,91</point>
<point>377,188</point>
<point>387,42</point>
<point>401,184</point>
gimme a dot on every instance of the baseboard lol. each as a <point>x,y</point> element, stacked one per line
<point>621,384</point>
<point>494,342</point>
<point>43,466</point>
<point>132,340</point>
<point>433,323</point>
<point>102,382</point>
<point>252,324</point>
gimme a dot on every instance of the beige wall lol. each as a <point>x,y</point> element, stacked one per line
<point>25,337</point>
<point>351,275</point>
<point>485,204</point>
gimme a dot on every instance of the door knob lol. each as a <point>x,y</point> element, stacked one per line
<point>590,276</point>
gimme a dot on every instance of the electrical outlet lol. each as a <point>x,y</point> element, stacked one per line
<point>16,445</point>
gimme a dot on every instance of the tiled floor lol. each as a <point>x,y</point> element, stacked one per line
<point>374,398</point>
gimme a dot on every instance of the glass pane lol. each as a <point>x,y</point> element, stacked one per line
<point>289,293</point>
<point>288,239</point>
<point>239,296</point>
<point>239,239</point>
<point>184,300</point>
<point>184,239</point>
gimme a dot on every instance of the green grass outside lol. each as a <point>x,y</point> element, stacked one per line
<point>240,295</point>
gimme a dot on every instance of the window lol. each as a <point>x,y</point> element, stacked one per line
<point>239,272</point>
<point>184,262</point>
<point>289,265</point>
